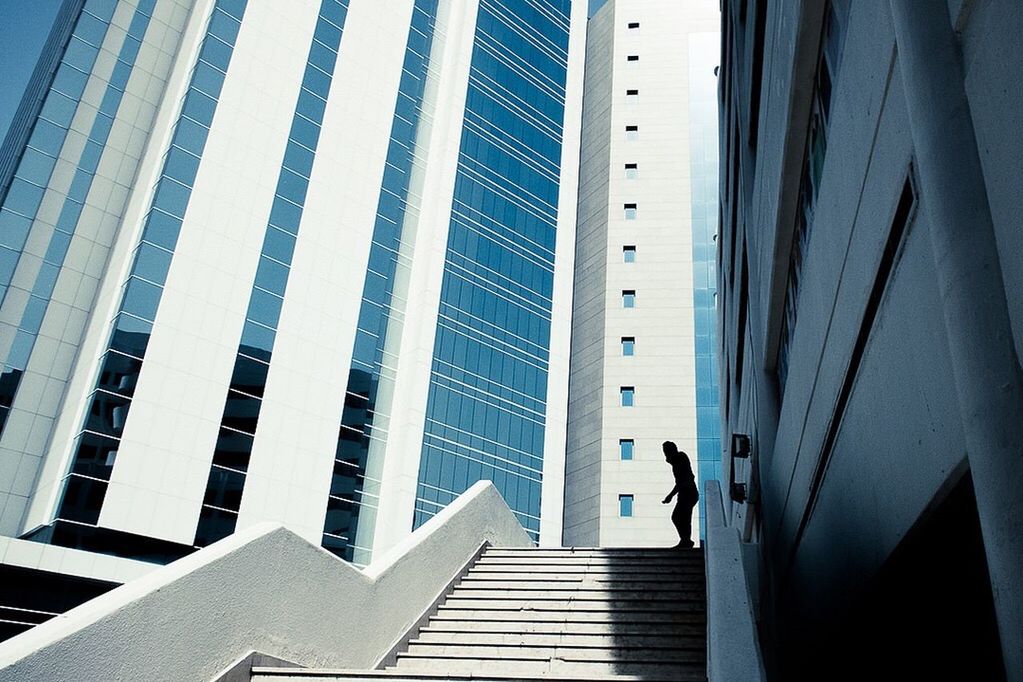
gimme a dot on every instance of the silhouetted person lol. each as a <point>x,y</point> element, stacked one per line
<point>685,488</point>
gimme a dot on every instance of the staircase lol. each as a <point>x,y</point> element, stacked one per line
<point>555,614</point>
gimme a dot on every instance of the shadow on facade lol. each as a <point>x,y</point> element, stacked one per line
<point>927,614</point>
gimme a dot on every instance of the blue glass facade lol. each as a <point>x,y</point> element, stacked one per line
<point>486,410</point>
<point>703,131</point>
<point>219,514</point>
<point>22,197</point>
<point>355,484</point>
<point>96,445</point>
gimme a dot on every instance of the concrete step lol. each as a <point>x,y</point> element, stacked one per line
<point>573,560</point>
<point>621,573</point>
<point>540,668</point>
<point>561,615</point>
<point>328,675</point>
<point>585,578</point>
<point>561,639</point>
<point>659,595</point>
<point>573,604</point>
<point>623,654</point>
<point>581,580</point>
<point>617,628</point>
<point>594,551</point>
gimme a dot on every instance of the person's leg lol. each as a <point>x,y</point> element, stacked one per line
<point>682,517</point>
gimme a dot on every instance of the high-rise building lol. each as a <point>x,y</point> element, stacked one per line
<point>871,310</point>
<point>643,337</point>
<point>306,262</point>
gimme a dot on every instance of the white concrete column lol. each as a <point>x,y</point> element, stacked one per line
<point>984,362</point>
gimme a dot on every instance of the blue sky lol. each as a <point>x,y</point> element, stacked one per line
<point>24,25</point>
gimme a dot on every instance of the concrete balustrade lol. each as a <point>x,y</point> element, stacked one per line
<point>733,649</point>
<point>264,589</point>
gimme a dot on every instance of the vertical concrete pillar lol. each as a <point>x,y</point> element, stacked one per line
<point>984,362</point>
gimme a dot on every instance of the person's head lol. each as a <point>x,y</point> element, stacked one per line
<point>670,450</point>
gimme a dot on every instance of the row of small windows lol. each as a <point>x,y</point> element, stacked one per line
<point>626,446</point>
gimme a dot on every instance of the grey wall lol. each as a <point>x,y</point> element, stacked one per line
<point>586,384</point>
<point>828,514</point>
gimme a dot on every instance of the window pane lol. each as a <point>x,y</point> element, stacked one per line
<point>628,396</point>
<point>131,335</point>
<point>271,275</point>
<point>241,412</point>
<point>162,229</point>
<point>233,450</point>
<point>249,376</point>
<point>181,166</point>
<point>151,263</point>
<point>141,299</point>
<point>625,505</point>
<point>224,489</point>
<point>626,447</point>
<point>83,498</point>
<point>96,455</point>
<point>264,308</point>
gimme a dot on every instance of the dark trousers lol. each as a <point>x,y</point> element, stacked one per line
<point>682,517</point>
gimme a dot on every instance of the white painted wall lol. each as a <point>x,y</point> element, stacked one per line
<point>552,498</point>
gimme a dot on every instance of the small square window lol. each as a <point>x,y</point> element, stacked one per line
<point>631,132</point>
<point>633,24</point>
<point>631,171</point>
<point>630,211</point>
<point>628,396</point>
<point>626,446</point>
<point>629,254</point>
<point>631,96</point>
<point>632,58</point>
<point>628,345</point>
<point>629,298</point>
<point>625,506</point>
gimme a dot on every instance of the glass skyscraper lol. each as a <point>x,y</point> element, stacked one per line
<point>486,414</point>
<point>292,262</point>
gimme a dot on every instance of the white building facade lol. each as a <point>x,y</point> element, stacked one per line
<point>252,254</point>
<point>642,347</point>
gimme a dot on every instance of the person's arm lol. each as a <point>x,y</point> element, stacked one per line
<point>667,499</point>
